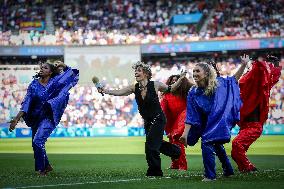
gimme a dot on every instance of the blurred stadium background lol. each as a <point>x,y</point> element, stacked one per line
<point>104,38</point>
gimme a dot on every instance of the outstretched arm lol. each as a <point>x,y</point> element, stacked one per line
<point>176,85</point>
<point>120,92</point>
<point>24,109</point>
<point>165,88</point>
<point>244,60</point>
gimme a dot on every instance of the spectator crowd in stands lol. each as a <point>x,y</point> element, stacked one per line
<point>84,22</point>
<point>87,108</point>
<point>246,19</point>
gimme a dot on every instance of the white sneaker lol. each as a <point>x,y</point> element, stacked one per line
<point>207,180</point>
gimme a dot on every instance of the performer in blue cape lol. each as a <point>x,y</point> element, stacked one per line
<point>213,108</point>
<point>46,99</point>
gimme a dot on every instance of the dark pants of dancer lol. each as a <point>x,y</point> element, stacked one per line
<point>39,137</point>
<point>181,162</point>
<point>209,150</point>
<point>155,145</point>
<point>249,132</point>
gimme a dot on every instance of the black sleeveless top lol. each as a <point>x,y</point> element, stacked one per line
<point>149,107</point>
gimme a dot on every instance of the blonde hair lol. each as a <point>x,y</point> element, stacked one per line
<point>210,78</point>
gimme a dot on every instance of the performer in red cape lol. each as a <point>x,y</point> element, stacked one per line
<point>255,88</point>
<point>174,106</point>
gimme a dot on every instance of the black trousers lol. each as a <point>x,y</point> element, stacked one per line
<point>154,145</point>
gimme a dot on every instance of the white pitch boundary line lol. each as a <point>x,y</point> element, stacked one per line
<point>97,182</point>
<point>120,180</point>
<point>83,183</point>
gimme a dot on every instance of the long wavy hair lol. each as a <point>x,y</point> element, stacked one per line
<point>51,66</point>
<point>184,87</point>
<point>210,78</point>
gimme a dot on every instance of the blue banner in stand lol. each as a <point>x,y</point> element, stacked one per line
<point>5,133</point>
<point>186,18</point>
<point>136,131</point>
<point>89,132</point>
<point>32,50</point>
<point>112,131</point>
<point>211,46</point>
<point>267,130</point>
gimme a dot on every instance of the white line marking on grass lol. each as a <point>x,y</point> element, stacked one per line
<point>83,183</point>
<point>269,170</point>
<point>104,181</point>
<point>124,180</point>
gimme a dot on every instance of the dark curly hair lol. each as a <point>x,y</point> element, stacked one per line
<point>145,67</point>
<point>184,87</point>
<point>51,66</point>
<point>273,59</point>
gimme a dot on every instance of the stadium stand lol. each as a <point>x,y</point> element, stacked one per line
<point>87,108</point>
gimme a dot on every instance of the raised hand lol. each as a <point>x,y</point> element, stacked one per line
<point>245,59</point>
<point>58,63</point>
<point>183,73</point>
<point>244,62</point>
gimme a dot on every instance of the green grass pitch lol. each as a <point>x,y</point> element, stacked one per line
<point>115,162</point>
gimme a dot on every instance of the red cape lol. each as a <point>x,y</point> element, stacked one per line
<point>174,108</point>
<point>255,88</point>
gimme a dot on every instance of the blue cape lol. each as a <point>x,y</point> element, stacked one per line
<point>48,101</point>
<point>212,117</point>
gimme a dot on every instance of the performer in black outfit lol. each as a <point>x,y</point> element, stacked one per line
<point>146,95</point>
